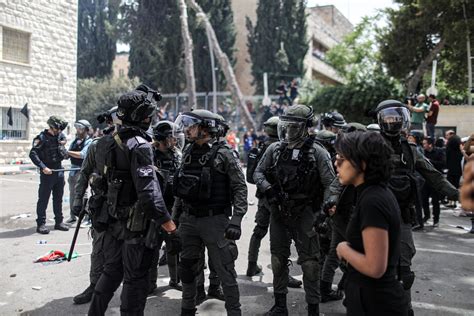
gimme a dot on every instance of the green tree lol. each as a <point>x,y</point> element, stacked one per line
<point>221,17</point>
<point>419,31</point>
<point>97,37</point>
<point>155,44</point>
<point>277,43</point>
<point>95,96</point>
<point>357,60</point>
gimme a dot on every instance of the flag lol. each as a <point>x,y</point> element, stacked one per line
<point>24,111</point>
<point>10,117</point>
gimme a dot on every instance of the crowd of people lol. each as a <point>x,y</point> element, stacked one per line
<point>347,196</point>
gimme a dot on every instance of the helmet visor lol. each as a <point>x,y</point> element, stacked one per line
<point>184,123</point>
<point>393,120</point>
<point>290,131</point>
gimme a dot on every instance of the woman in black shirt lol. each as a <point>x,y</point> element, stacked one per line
<point>372,248</point>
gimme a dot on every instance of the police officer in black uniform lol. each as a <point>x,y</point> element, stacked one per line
<point>92,170</point>
<point>167,153</point>
<point>333,121</point>
<point>393,117</point>
<point>209,184</point>
<point>47,153</point>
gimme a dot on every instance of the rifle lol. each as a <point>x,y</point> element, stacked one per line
<point>78,226</point>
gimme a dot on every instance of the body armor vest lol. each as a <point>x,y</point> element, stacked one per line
<point>77,145</point>
<point>50,150</point>
<point>197,181</point>
<point>167,164</point>
<point>402,182</point>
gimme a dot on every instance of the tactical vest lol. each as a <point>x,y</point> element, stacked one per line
<point>255,154</point>
<point>77,145</point>
<point>197,181</point>
<point>402,182</point>
<point>121,193</point>
<point>167,164</point>
<point>295,172</point>
<point>50,153</point>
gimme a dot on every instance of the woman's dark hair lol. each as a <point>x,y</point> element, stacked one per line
<point>368,147</point>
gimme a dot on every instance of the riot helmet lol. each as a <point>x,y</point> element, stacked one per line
<point>418,135</point>
<point>393,117</point>
<point>270,127</point>
<point>193,123</point>
<point>374,127</point>
<point>136,106</point>
<point>293,124</point>
<point>327,138</point>
<point>57,122</point>
<point>222,125</point>
<point>333,121</point>
<point>163,132</point>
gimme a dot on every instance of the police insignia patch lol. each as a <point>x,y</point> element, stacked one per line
<point>145,172</point>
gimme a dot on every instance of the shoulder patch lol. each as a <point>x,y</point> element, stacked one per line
<point>145,172</point>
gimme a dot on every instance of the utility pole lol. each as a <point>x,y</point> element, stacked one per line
<point>213,71</point>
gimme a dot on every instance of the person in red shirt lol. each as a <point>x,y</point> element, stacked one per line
<point>432,117</point>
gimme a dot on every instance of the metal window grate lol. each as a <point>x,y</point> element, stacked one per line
<point>15,131</point>
<point>16,45</point>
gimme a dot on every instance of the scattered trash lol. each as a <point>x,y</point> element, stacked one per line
<point>42,242</point>
<point>13,275</point>
<point>430,290</point>
<point>55,255</point>
<point>24,215</point>
<point>461,227</point>
<point>438,295</point>
<point>251,202</point>
<point>37,288</point>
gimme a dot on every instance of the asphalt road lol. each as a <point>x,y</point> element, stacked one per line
<point>443,264</point>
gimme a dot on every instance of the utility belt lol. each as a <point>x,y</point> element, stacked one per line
<point>390,276</point>
<point>207,211</point>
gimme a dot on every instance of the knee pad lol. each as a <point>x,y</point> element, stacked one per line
<point>188,270</point>
<point>279,265</point>
<point>260,231</point>
<point>407,277</point>
<point>310,270</point>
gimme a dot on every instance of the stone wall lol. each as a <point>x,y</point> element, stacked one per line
<point>48,82</point>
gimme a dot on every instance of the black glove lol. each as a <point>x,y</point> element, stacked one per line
<point>233,230</point>
<point>76,209</point>
<point>173,243</point>
<point>272,196</point>
<point>328,204</point>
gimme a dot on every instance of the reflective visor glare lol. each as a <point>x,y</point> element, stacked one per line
<point>79,126</point>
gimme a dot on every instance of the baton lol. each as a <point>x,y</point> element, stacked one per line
<point>65,169</point>
<point>78,226</point>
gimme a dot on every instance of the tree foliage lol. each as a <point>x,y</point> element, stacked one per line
<point>357,60</point>
<point>156,47</point>
<point>97,37</point>
<point>277,42</point>
<point>417,28</point>
<point>95,96</point>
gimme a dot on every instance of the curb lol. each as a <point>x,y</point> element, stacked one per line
<point>16,170</point>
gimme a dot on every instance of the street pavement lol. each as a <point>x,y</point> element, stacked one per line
<point>443,264</point>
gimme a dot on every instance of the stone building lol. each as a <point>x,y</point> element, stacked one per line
<point>326,27</point>
<point>121,65</point>
<point>38,48</point>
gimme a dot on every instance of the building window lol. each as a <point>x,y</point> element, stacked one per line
<point>121,73</point>
<point>319,50</point>
<point>15,45</point>
<point>19,127</point>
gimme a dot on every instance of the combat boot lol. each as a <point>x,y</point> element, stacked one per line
<point>313,309</point>
<point>188,312</point>
<point>294,283</point>
<point>215,291</point>
<point>279,309</point>
<point>175,285</point>
<point>253,269</point>
<point>61,226</point>
<point>41,229</point>
<point>328,294</point>
<point>86,296</point>
<point>200,295</point>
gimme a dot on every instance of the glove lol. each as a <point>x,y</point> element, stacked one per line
<point>173,243</point>
<point>233,230</point>
<point>76,209</point>
<point>272,196</point>
<point>328,204</point>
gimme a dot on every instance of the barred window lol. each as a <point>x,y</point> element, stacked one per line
<point>15,45</point>
<point>15,131</point>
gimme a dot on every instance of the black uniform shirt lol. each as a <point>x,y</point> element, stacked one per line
<point>376,206</point>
